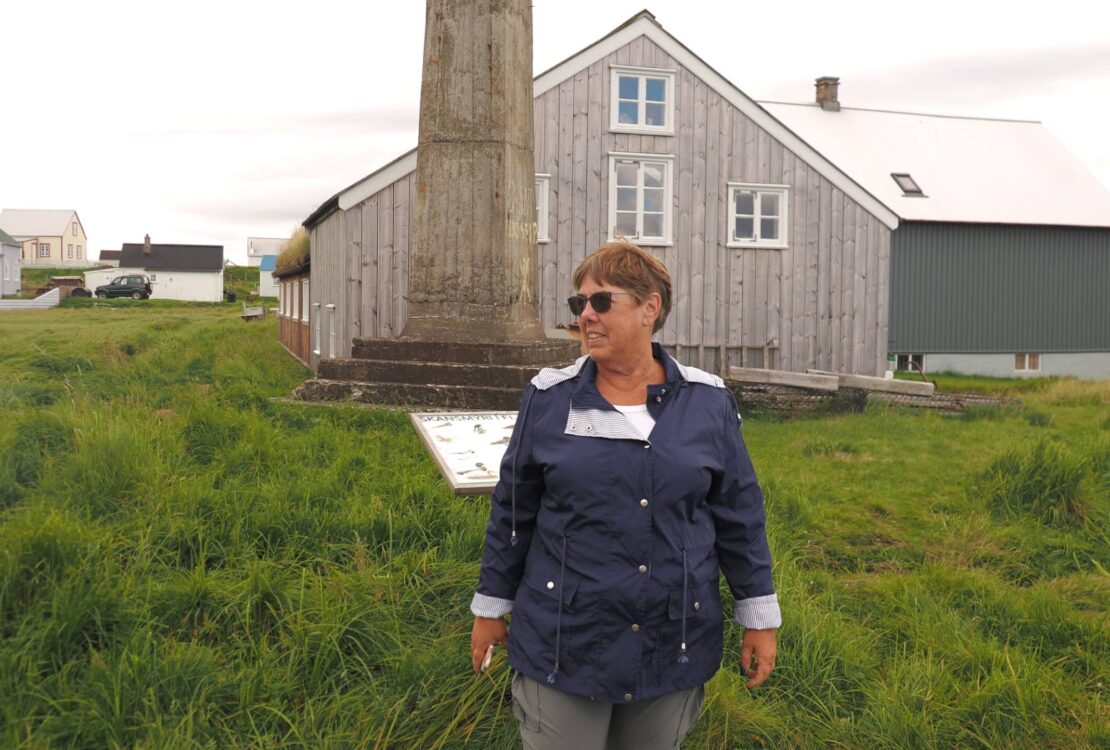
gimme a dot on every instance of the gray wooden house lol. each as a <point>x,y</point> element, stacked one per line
<point>1000,264</point>
<point>779,258</point>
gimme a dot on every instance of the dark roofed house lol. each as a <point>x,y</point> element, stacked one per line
<point>183,272</point>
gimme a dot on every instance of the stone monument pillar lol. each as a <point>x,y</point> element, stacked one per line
<point>473,338</point>
<point>473,267</point>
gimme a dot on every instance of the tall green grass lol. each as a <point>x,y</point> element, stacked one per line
<point>186,561</point>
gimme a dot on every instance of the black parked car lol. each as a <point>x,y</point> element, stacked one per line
<point>133,286</point>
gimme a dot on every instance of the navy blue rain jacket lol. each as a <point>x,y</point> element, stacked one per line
<point>607,547</point>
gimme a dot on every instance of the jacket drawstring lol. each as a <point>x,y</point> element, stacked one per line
<point>559,615</point>
<point>682,658</point>
<point>516,452</point>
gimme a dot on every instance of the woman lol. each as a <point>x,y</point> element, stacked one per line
<point>625,490</point>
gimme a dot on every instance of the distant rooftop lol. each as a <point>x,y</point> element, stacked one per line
<point>172,257</point>
<point>36,222</point>
<point>968,169</point>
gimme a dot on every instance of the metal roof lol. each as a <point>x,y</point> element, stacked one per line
<point>36,222</point>
<point>971,170</point>
<point>173,257</point>
<point>268,263</point>
<point>7,239</point>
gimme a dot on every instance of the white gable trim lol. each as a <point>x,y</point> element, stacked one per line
<point>377,181</point>
<point>645,26</point>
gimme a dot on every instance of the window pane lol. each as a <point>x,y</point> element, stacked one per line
<point>628,113</point>
<point>653,225</point>
<point>653,175</point>
<point>656,89</point>
<point>769,229</point>
<point>744,228</point>
<point>653,199</point>
<point>1034,361</point>
<point>629,87</point>
<point>626,174</point>
<point>626,224</point>
<point>653,115</point>
<point>1019,361</point>
<point>745,204</point>
<point>769,204</point>
<point>626,199</point>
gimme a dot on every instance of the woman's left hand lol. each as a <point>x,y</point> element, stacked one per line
<point>761,645</point>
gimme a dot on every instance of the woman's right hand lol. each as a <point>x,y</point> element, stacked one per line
<point>487,632</point>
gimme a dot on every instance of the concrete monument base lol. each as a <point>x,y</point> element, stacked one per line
<point>436,374</point>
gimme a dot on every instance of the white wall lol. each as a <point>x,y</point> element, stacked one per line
<point>267,286</point>
<point>1084,365</point>
<point>192,286</point>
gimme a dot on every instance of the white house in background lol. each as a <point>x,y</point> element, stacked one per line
<point>11,269</point>
<point>183,272</point>
<point>267,285</point>
<point>49,237</point>
<point>259,247</point>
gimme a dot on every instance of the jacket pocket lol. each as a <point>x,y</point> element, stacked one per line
<point>699,602</point>
<point>546,580</point>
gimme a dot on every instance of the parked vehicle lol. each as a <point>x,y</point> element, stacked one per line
<point>134,286</point>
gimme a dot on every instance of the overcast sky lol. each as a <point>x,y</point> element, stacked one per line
<point>207,122</point>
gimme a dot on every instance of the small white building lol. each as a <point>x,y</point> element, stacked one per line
<point>260,247</point>
<point>192,273</point>
<point>267,285</point>
<point>11,269</point>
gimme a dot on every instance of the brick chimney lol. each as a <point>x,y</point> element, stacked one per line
<point>827,90</point>
<point>146,245</point>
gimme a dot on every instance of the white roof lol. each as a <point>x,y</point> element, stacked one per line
<point>970,169</point>
<point>36,222</point>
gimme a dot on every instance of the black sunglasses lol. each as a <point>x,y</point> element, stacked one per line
<point>599,301</point>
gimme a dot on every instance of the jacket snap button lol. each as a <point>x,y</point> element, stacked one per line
<point>697,606</point>
<point>643,502</point>
<point>658,399</point>
<point>589,428</point>
<point>643,569</point>
<point>628,697</point>
<point>551,584</point>
<point>635,628</point>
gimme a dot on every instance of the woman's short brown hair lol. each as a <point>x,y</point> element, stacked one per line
<point>627,266</point>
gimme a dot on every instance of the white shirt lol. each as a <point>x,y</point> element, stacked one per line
<point>639,416</point>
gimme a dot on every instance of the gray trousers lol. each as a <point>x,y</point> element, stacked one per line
<point>553,720</point>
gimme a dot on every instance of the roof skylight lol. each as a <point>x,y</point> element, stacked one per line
<point>909,187</point>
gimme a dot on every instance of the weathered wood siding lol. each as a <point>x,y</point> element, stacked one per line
<point>820,303</point>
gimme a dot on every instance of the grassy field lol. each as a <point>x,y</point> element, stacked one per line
<point>187,563</point>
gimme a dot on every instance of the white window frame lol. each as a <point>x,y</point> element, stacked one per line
<point>331,331</point>
<point>783,191</point>
<point>615,125</point>
<point>667,160</point>
<point>316,329</point>
<point>306,301</point>
<point>44,250</point>
<point>543,207</point>
<point>295,288</point>
<point>1024,360</point>
<point>79,252</point>
<point>75,229</point>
